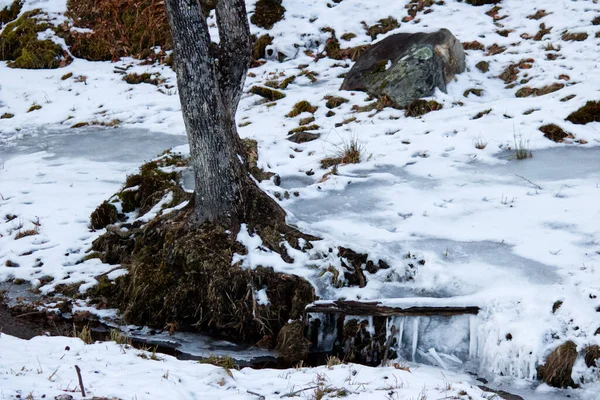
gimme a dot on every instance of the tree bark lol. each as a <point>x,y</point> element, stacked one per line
<point>210,79</point>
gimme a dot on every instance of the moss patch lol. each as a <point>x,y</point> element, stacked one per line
<point>105,214</point>
<point>135,79</point>
<point>559,366</point>
<point>300,107</point>
<point>421,107</point>
<point>145,189</point>
<point>267,93</point>
<point>312,127</point>
<point>22,48</point>
<point>7,116</point>
<point>11,12</point>
<point>335,101</point>
<point>590,112</point>
<point>591,354</point>
<point>267,13</point>
<point>483,66</point>
<point>259,46</point>
<point>119,28</point>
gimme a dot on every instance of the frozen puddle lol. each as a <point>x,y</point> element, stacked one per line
<point>95,144</point>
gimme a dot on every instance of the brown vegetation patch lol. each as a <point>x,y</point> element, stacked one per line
<point>494,13</point>
<point>539,14</point>
<point>292,344</point>
<point>495,49</point>
<point>557,134</point>
<point>474,45</point>
<point>11,12</point>
<point>482,2</point>
<point>300,107</point>
<point>105,214</point>
<point>528,91</point>
<point>383,26</point>
<point>482,113</point>
<point>7,116</point>
<point>267,93</point>
<point>119,28</point>
<point>590,112</point>
<point>591,354</point>
<point>136,79</point>
<point>259,46</point>
<point>511,72</point>
<point>28,232</point>
<point>483,66</point>
<point>596,20</point>
<point>144,190</point>
<point>476,92</point>
<point>420,107</point>
<point>312,127</point>
<point>335,101</point>
<point>574,37</point>
<point>267,13</point>
<point>559,366</point>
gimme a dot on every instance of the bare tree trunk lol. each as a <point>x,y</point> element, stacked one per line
<point>210,79</point>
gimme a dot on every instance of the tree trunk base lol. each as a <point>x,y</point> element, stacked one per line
<point>181,275</point>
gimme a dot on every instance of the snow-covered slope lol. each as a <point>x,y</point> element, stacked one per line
<point>513,236</point>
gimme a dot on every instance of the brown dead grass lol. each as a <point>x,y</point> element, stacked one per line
<point>120,28</point>
<point>556,134</point>
<point>559,366</point>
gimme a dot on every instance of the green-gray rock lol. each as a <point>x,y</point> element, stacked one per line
<point>407,66</point>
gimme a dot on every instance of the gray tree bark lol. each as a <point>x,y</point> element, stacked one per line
<point>210,79</point>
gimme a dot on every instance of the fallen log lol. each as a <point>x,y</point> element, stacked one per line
<point>380,309</point>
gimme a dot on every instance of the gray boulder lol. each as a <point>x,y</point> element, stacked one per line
<point>407,66</point>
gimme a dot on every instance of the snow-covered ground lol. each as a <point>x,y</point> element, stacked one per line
<point>512,236</point>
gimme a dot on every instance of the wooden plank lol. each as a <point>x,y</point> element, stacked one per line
<point>378,309</point>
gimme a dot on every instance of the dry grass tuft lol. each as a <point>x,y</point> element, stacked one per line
<point>559,366</point>
<point>119,28</point>
<point>350,152</point>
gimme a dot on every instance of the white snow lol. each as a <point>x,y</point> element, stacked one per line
<point>511,236</point>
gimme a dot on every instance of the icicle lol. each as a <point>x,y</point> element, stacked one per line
<point>472,337</point>
<point>415,339</point>
<point>400,332</point>
<point>439,360</point>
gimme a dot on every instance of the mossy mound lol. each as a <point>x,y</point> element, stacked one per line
<point>105,214</point>
<point>586,114</point>
<point>22,48</point>
<point>11,12</point>
<point>119,28</point>
<point>267,13</point>
<point>559,366</point>
<point>183,273</point>
<point>591,355</point>
<point>143,190</point>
